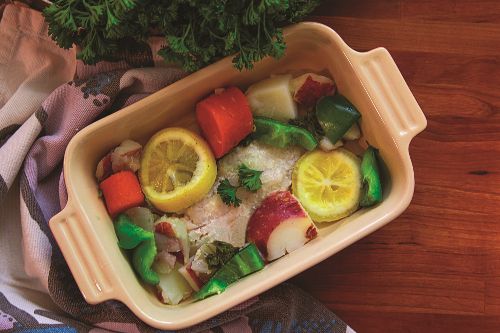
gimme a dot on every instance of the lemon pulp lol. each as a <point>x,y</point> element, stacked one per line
<point>328,184</point>
<point>177,169</point>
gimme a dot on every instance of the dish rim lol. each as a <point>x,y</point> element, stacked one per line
<point>246,291</point>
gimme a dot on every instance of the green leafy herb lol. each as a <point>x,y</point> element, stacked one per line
<point>249,178</point>
<point>218,253</point>
<point>310,122</point>
<point>197,32</point>
<point>227,193</point>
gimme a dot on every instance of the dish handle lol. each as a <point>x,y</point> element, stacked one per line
<point>82,255</point>
<point>390,94</point>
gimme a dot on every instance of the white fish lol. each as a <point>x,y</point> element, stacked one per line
<point>213,220</point>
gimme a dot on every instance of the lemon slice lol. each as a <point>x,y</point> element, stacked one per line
<point>328,184</point>
<point>177,169</point>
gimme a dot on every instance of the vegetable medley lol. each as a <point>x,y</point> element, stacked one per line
<point>199,212</point>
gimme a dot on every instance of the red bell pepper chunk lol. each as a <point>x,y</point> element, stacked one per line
<point>121,191</point>
<point>225,119</point>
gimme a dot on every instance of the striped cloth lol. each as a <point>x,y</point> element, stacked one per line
<point>46,96</point>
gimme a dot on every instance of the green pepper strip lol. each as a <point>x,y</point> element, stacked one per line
<point>248,260</point>
<point>336,115</point>
<point>372,187</point>
<point>282,135</point>
<point>142,260</point>
<point>142,242</point>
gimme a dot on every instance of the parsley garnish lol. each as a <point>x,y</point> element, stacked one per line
<point>227,193</point>
<point>310,123</point>
<point>249,178</point>
<point>197,32</point>
<point>220,253</point>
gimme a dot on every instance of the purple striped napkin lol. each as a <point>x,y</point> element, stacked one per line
<point>46,97</point>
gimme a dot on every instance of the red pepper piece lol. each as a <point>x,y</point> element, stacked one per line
<point>225,119</point>
<point>121,191</point>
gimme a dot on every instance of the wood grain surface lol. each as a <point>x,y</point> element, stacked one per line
<point>437,267</point>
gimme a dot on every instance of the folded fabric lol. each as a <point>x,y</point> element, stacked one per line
<point>35,128</point>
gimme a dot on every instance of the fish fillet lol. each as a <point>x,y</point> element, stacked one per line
<point>214,220</point>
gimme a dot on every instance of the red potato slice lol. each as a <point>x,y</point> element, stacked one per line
<point>164,262</point>
<point>309,88</point>
<point>176,228</point>
<point>271,98</point>
<point>142,216</point>
<point>168,244</point>
<point>125,157</point>
<point>326,145</point>
<point>173,288</point>
<point>191,277</point>
<point>104,168</point>
<point>280,225</point>
<point>353,133</point>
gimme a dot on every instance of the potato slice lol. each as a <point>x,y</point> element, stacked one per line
<point>272,98</point>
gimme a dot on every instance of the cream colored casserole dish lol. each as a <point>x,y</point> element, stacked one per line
<point>84,231</point>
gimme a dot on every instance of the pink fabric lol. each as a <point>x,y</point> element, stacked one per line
<point>46,97</point>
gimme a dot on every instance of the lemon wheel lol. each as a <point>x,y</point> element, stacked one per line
<point>177,169</point>
<point>328,184</point>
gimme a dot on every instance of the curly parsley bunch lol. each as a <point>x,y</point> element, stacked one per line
<point>197,32</point>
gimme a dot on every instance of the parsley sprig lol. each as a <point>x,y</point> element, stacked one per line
<point>248,178</point>
<point>197,32</point>
<point>227,193</point>
<point>218,254</point>
<point>310,123</point>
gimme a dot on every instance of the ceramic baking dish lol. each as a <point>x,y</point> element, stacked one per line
<point>391,117</point>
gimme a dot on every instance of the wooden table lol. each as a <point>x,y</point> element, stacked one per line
<point>437,267</point>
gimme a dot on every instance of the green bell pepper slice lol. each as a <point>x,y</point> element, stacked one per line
<point>143,246</point>
<point>248,260</point>
<point>336,115</point>
<point>372,186</point>
<point>282,135</point>
<point>142,260</point>
<point>129,234</point>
